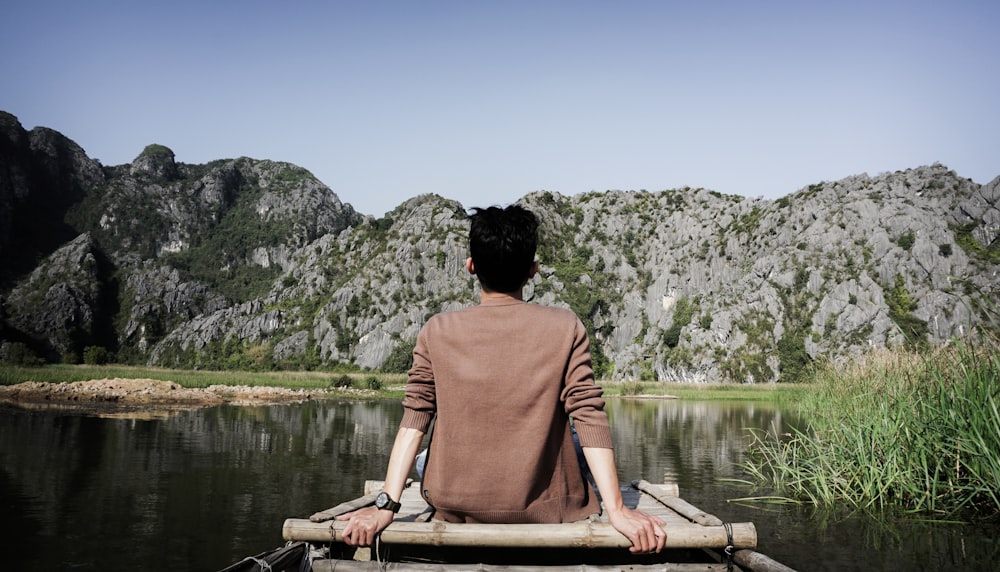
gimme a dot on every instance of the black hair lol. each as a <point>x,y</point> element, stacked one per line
<point>502,244</point>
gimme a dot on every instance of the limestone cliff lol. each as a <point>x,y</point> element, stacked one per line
<point>253,263</point>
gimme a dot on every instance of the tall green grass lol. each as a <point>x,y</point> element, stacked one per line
<point>919,432</point>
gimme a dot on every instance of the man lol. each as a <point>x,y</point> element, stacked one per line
<point>502,380</point>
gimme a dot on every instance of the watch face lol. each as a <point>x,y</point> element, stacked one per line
<point>381,500</point>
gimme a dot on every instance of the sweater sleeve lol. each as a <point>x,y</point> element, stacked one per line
<point>583,397</point>
<point>420,402</point>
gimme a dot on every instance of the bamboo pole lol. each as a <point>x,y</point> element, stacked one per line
<point>568,535</point>
<point>746,558</point>
<point>758,562</point>
<point>351,566</point>
<point>287,557</point>
<point>678,505</point>
<point>658,490</point>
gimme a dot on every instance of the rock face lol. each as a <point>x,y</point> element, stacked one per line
<point>251,263</point>
<point>61,300</point>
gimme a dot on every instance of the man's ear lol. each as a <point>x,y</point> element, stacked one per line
<point>470,266</point>
<point>532,271</point>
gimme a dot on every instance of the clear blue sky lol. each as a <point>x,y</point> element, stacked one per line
<point>484,102</point>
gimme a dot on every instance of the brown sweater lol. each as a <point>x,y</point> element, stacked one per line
<point>503,379</point>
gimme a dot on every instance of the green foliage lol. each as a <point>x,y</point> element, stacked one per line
<point>901,305</point>
<point>748,223</point>
<point>705,321</point>
<point>860,336</point>
<point>156,151</point>
<point>299,362</point>
<point>906,240</point>
<point>343,340</point>
<point>748,367</point>
<point>599,362</point>
<point>632,388</point>
<point>19,354</point>
<point>758,326</point>
<point>792,355</point>
<point>222,257</point>
<point>801,278</point>
<point>798,303</point>
<point>964,237</point>
<point>812,191</point>
<point>139,230</point>
<point>646,373</point>
<point>292,175</point>
<point>239,355</point>
<point>684,311</point>
<point>222,260</point>
<point>401,358</point>
<point>232,354</point>
<point>373,383</point>
<point>96,355</point>
<point>343,381</point>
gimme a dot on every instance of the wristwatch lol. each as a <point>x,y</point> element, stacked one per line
<point>384,501</point>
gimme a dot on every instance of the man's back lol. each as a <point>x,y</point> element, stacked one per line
<point>503,378</point>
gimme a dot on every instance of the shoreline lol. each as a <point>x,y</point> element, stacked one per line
<point>121,396</point>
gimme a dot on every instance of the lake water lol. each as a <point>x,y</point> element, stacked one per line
<point>199,490</point>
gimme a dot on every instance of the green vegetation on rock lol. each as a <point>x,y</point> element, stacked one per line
<point>245,263</point>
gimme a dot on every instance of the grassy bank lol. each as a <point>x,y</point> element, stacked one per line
<point>896,429</point>
<point>391,384</point>
<point>196,379</point>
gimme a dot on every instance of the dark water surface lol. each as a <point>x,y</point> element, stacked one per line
<point>199,490</point>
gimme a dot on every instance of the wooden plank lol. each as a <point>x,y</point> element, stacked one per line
<point>568,535</point>
<point>372,488</point>
<point>331,513</point>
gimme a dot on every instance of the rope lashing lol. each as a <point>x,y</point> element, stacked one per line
<point>729,546</point>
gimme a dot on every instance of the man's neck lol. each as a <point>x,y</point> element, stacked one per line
<point>490,295</point>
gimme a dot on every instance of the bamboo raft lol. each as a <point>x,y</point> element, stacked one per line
<point>696,541</point>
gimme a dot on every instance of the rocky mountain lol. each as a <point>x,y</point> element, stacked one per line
<point>245,263</point>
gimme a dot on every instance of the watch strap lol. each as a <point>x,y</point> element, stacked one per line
<point>385,501</point>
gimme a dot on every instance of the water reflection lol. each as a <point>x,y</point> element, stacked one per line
<point>201,489</point>
<point>105,494</point>
<point>690,443</point>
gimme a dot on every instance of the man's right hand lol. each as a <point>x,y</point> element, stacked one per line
<point>645,531</point>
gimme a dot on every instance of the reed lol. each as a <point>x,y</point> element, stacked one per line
<point>895,429</point>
